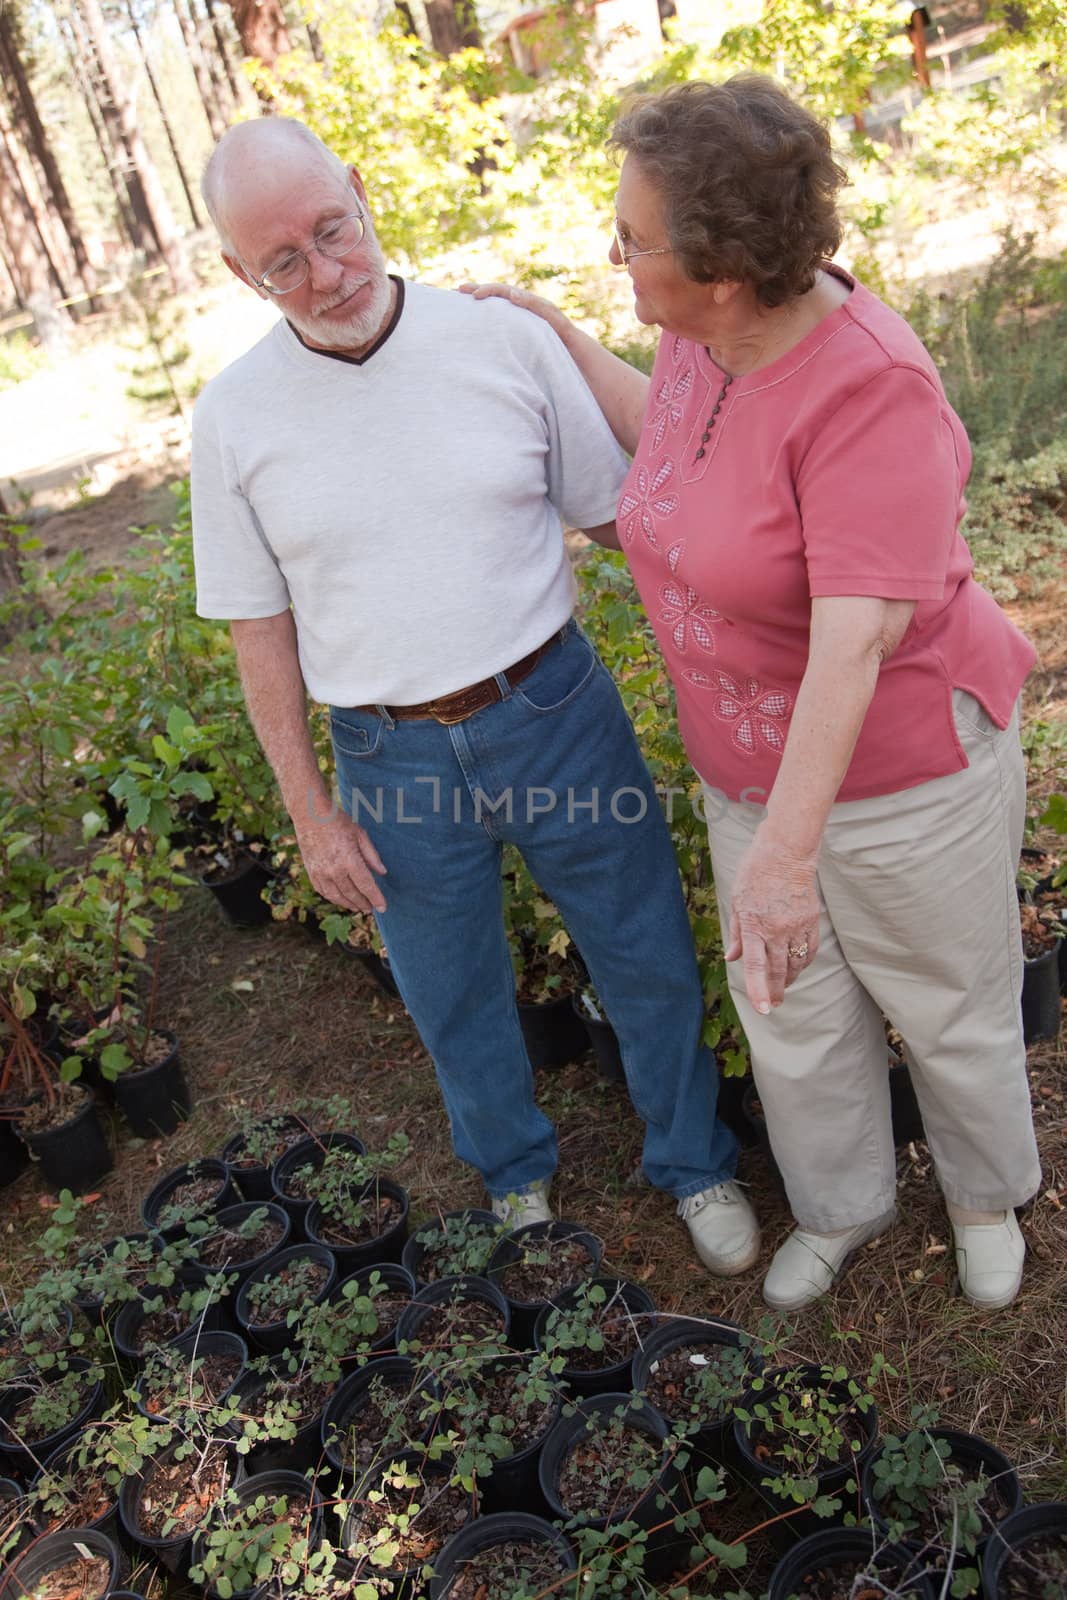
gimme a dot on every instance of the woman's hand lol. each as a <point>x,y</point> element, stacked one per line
<point>524,299</point>
<point>774,921</point>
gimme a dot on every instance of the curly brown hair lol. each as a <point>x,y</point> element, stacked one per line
<point>748,181</point>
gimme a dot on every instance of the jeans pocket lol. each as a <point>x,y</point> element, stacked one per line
<point>971,718</point>
<point>561,675</point>
<point>355,734</point>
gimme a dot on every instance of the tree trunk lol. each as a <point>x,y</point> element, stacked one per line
<point>453,26</point>
<point>163,117</point>
<point>215,120</point>
<point>29,266</point>
<point>315,41</point>
<point>261,29</point>
<point>74,39</point>
<point>223,53</point>
<point>35,204</point>
<point>145,189</point>
<point>14,75</point>
<point>404,12</point>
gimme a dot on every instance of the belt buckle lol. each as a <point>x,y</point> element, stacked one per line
<point>446,719</point>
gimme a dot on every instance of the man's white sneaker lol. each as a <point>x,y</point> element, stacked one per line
<point>989,1260</point>
<point>808,1264</point>
<point>723,1228</point>
<point>518,1210</point>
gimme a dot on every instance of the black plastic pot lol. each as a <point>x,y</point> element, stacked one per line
<point>61,1466</point>
<point>845,1549</point>
<point>1014,1534</point>
<point>275,1484</point>
<point>710,1443</point>
<point>387,1246</point>
<point>253,1180</point>
<point>14,1157</point>
<point>407,1583</point>
<point>728,1106</point>
<point>23,1458</point>
<point>124,1328</point>
<point>276,1336</point>
<point>309,1152</point>
<point>1041,996</point>
<point>604,1041</point>
<point>397,1280</point>
<point>841,1481</point>
<point>240,893</point>
<point>172,1552</point>
<point>12,1515</point>
<point>974,1455</point>
<point>301,1453</point>
<point>416,1250</point>
<point>53,1550</point>
<point>91,1306</point>
<point>618,1376</point>
<point>907,1118</point>
<point>231,1217</point>
<point>342,1413</point>
<point>553,1032</point>
<point>377,965</point>
<point>195,1346</point>
<point>524,1313</point>
<point>514,1483</point>
<point>445,1292</point>
<point>758,1137</point>
<point>158,1197</point>
<point>155,1099</point>
<point>489,1532</point>
<point>661,1551</point>
<point>74,1156</point>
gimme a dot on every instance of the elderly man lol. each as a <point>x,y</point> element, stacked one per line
<point>377,494</point>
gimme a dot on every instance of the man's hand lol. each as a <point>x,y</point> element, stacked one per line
<point>341,862</point>
<point>774,921</point>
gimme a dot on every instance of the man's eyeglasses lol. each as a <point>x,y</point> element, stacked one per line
<point>626,255</point>
<point>336,239</point>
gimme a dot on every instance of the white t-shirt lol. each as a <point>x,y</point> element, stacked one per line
<point>406,505</point>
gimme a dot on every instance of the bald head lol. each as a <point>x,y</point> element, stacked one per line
<point>253,161</point>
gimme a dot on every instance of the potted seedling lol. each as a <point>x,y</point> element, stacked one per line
<point>498,1412</point>
<point>1042,932</point>
<point>508,1554</point>
<point>592,1332</point>
<point>260,1142</point>
<point>454,1244</point>
<point>400,1515</point>
<point>1026,1555</point>
<point>267,1525</point>
<point>357,1212</point>
<point>534,1264</point>
<point>274,1298</point>
<point>941,1492</point>
<point>44,1406</point>
<point>451,1318</point>
<point>694,1372</point>
<point>165,1501</point>
<point>388,1405</point>
<point>803,1434</point>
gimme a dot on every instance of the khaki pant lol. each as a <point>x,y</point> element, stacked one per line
<point>919,921</point>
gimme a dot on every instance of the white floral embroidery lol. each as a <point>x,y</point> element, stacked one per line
<point>640,505</point>
<point>674,555</point>
<point>756,712</point>
<point>669,413</point>
<point>688,615</point>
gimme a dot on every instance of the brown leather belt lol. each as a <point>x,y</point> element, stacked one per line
<point>463,703</point>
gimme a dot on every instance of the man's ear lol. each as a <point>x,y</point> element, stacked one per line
<point>358,186</point>
<point>239,272</point>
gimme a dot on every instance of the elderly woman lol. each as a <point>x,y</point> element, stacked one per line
<point>847,692</point>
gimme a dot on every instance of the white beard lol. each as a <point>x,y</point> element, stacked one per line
<point>362,325</point>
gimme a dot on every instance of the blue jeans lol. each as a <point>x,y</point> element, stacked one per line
<point>555,769</point>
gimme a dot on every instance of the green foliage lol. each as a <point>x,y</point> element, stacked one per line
<point>249,1540</point>
<point>831,57</point>
<point>456,1245</point>
<point>403,116</point>
<point>20,358</point>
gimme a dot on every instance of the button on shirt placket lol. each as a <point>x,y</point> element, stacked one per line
<point>716,408</point>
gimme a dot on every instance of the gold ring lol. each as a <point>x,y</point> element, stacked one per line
<point>797,952</point>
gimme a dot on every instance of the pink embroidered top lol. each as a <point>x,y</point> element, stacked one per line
<point>838,469</point>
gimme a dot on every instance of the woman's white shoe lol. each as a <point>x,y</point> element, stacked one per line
<point>808,1264</point>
